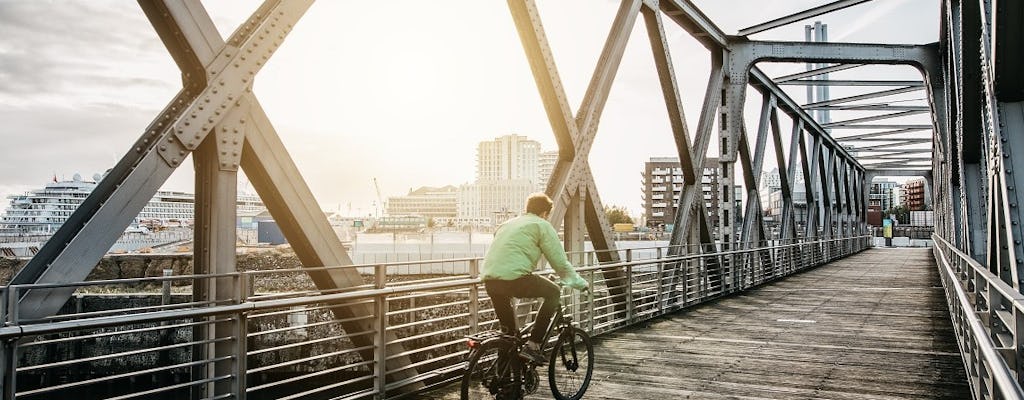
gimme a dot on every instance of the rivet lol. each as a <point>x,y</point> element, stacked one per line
<point>138,149</point>
<point>223,153</point>
<point>186,123</point>
<point>223,164</point>
<point>198,136</point>
<point>234,153</point>
<point>163,148</point>
<point>181,152</point>
<point>214,91</point>
<point>236,130</point>
<point>191,144</point>
<point>223,129</point>
<point>234,165</point>
<point>210,120</point>
<point>241,121</point>
<point>235,141</point>
<point>145,141</point>
<point>174,161</point>
<point>171,139</point>
<point>207,100</point>
<point>200,108</point>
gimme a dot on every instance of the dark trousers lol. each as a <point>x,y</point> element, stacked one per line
<point>529,286</point>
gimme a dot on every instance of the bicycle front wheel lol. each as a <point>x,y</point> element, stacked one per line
<point>571,365</point>
<point>489,372</point>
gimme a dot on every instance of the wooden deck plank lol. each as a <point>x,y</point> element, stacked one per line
<point>870,326</point>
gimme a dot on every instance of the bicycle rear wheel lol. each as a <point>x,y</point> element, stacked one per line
<point>490,374</point>
<point>571,365</point>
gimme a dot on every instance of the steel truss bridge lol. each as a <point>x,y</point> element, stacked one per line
<point>213,345</point>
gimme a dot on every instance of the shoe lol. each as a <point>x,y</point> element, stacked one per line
<point>532,355</point>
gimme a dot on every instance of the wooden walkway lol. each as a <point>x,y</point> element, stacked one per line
<point>870,326</point>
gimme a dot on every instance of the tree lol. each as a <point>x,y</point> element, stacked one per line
<point>617,215</point>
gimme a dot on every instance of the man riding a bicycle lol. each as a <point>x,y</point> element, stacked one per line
<point>508,270</point>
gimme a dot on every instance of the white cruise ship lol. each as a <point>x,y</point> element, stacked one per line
<point>41,212</point>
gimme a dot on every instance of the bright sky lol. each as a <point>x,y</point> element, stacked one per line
<point>401,91</point>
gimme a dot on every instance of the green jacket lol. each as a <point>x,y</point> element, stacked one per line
<point>518,245</point>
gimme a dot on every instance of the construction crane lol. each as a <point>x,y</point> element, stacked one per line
<point>380,200</point>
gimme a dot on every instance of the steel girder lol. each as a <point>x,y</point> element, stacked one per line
<point>571,186</point>
<point>217,119</point>
<point>983,199</point>
<point>733,145</point>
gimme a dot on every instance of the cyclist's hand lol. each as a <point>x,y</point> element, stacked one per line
<point>575,281</point>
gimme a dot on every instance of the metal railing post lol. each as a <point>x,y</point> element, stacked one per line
<point>590,306</point>
<point>10,347</point>
<point>241,337</point>
<point>629,293</point>
<point>660,289</point>
<point>474,296</point>
<point>380,344</point>
<point>165,293</point>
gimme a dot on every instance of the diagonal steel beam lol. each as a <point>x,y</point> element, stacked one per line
<point>94,227</point>
<point>851,122</point>
<point>571,177</point>
<point>872,95</point>
<point>691,161</point>
<point>814,72</point>
<point>837,82</point>
<point>799,16</point>
<point>871,107</point>
<point>900,132</point>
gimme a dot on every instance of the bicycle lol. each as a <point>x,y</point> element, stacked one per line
<point>495,370</point>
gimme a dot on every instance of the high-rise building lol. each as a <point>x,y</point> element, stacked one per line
<point>663,187</point>
<point>915,194</point>
<point>880,196</point>
<point>508,157</point>
<point>545,165</point>
<point>508,170</point>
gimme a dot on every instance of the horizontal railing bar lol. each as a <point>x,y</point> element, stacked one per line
<point>124,332</point>
<point>120,376</point>
<point>997,367</point>
<point>121,354</point>
<point>314,341</point>
<point>314,374</point>
<point>122,311</point>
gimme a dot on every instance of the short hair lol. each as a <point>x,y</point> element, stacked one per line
<point>538,203</point>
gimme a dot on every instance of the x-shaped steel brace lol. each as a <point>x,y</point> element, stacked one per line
<point>216,98</point>
<point>572,176</point>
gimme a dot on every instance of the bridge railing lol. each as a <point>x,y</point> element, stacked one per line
<point>988,317</point>
<point>290,345</point>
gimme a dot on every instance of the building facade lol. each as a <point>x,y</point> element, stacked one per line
<point>880,195</point>
<point>663,186</point>
<point>509,169</point>
<point>914,197</point>
<point>545,165</point>
<point>427,202</point>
